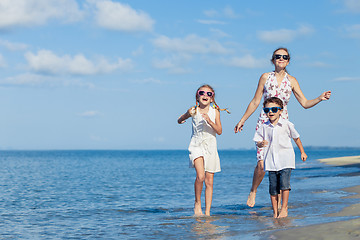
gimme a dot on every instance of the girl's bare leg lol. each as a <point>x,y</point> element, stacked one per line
<point>209,183</point>
<point>198,185</point>
<point>274,203</point>
<point>258,176</point>
<point>284,207</point>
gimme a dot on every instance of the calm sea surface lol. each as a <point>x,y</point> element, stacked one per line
<point>149,195</point>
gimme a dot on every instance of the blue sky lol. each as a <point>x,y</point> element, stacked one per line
<point>107,74</point>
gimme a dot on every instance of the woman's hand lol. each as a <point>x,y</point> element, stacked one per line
<point>239,127</point>
<point>325,96</point>
<point>262,144</point>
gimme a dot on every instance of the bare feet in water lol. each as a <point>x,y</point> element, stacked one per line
<point>197,209</point>
<point>283,213</point>
<point>251,199</point>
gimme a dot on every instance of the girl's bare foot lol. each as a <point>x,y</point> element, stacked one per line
<point>283,213</point>
<point>251,199</point>
<point>197,209</point>
<point>207,213</point>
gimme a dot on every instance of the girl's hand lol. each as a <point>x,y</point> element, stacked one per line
<point>206,117</point>
<point>239,127</point>
<point>325,96</point>
<point>303,157</point>
<point>181,122</point>
<point>262,144</point>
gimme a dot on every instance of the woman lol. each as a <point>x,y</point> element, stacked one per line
<point>274,84</point>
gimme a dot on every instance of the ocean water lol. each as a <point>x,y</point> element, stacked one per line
<point>149,195</point>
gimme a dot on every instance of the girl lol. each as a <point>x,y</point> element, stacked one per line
<point>203,148</point>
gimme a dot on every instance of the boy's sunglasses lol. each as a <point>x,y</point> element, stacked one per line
<point>273,109</point>
<point>285,57</point>
<point>202,93</point>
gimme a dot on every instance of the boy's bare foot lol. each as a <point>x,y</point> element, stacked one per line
<point>283,213</point>
<point>251,199</point>
<point>197,209</point>
<point>207,213</point>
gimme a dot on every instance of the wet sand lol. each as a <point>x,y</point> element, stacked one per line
<point>344,230</point>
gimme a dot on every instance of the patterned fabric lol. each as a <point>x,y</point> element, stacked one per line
<point>272,89</point>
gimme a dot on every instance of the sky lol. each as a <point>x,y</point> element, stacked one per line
<point>109,74</point>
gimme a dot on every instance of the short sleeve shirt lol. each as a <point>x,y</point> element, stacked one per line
<point>279,153</point>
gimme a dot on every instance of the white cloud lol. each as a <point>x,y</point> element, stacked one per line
<point>346,79</point>
<point>226,12</point>
<point>148,80</point>
<point>2,61</point>
<point>37,12</point>
<point>229,12</point>
<point>352,5</point>
<point>211,22</point>
<point>118,16</point>
<point>211,13</point>
<point>29,79</point>
<point>174,64</point>
<point>13,46</point>
<point>284,35</point>
<point>89,114</point>
<point>353,31</point>
<point>45,61</point>
<point>219,33</point>
<point>190,44</point>
<point>247,61</point>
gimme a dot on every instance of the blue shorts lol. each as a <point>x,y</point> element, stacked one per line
<point>279,180</point>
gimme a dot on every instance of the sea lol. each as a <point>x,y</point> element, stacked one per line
<point>149,194</point>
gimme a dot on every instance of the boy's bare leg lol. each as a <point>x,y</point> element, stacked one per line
<point>284,207</point>
<point>209,183</point>
<point>198,185</point>
<point>257,178</point>
<point>274,203</point>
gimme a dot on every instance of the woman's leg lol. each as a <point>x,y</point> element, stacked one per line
<point>209,183</point>
<point>198,185</point>
<point>258,176</point>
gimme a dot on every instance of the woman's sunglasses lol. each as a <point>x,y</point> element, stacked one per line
<point>273,109</point>
<point>285,57</point>
<point>202,93</point>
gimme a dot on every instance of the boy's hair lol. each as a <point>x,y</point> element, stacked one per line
<point>275,100</point>
<point>213,97</point>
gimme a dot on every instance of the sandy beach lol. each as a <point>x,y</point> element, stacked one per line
<point>349,229</point>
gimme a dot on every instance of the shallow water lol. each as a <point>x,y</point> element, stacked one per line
<point>149,194</point>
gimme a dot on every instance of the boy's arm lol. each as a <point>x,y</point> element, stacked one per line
<point>301,148</point>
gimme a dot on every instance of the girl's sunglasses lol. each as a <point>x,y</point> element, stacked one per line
<point>273,109</point>
<point>202,93</point>
<point>285,57</point>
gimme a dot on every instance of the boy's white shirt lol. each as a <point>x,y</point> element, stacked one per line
<point>279,153</point>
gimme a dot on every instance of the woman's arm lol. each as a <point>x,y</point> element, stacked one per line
<point>254,103</point>
<point>305,103</point>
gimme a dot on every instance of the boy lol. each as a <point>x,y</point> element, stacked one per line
<point>279,156</point>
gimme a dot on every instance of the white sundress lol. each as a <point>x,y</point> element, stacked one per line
<point>203,142</point>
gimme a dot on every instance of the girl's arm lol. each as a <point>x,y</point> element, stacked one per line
<point>300,146</point>
<point>183,117</point>
<point>254,103</point>
<point>301,97</point>
<point>215,125</point>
